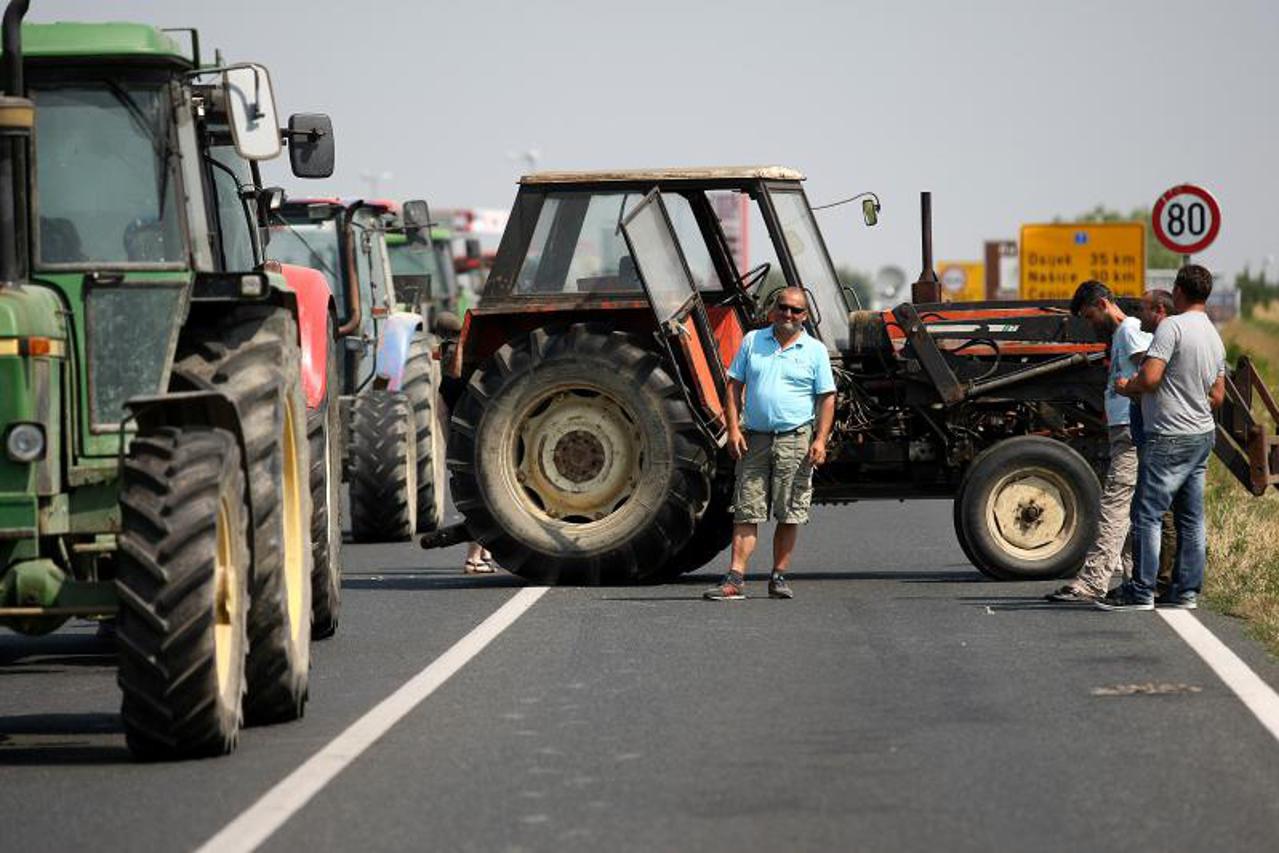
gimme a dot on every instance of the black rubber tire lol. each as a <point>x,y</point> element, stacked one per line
<point>324,437</point>
<point>251,354</point>
<point>421,386</point>
<point>383,468</point>
<point>714,530</point>
<point>638,538</point>
<point>1075,480</point>
<point>961,536</point>
<point>178,486</point>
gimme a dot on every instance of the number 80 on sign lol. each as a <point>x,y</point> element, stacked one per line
<point>1186,219</point>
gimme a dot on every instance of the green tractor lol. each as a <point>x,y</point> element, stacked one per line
<point>423,272</point>
<point>154,422</point>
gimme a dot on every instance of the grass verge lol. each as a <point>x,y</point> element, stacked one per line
<point>1243,531</point>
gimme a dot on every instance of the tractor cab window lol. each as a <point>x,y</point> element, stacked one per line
<point>692,241</point>
<point>105,176</point>
<point>231,177</point>
<point>576,247</point>
<point>313,244</point>
<point>804,244</point>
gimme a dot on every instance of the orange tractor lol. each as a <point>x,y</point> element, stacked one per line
<point>588,389</point>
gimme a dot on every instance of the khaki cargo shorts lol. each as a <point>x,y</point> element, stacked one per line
<point>774,475</point>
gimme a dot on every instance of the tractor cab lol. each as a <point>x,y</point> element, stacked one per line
<point>423,269</point>
<point>346,241</point>
<point>671,246</point>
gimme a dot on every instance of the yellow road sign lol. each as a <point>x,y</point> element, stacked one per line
<point>962,281</point>
<point>1055,259</point>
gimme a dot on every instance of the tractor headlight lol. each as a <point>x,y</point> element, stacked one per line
<point>25,442</point>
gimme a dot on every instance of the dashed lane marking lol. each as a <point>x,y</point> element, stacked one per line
<point>1259,697</point>
<point>260,821</point>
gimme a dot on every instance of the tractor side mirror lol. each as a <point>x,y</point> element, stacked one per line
<point>870,211</point>
<point>417,222</point>
<point>473,250</point>
<point>311,145</point>
<point>255,128</point>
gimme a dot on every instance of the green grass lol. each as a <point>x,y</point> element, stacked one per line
<point>1243,531</point>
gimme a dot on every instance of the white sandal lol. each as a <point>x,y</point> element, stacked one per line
<point>477,567</point>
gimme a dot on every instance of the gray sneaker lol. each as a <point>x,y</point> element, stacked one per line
<point>731,588</point>
<point>778,588</point>
<point>1187,601</point>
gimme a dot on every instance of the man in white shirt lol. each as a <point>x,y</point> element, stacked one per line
<point>1111,553</point>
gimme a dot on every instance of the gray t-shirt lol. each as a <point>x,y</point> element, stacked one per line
<point>1195,357</point>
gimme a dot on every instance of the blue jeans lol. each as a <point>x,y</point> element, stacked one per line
<point>1170,474</point>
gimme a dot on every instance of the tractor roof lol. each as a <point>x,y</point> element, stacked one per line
<point>683,173</point>
<point>115,40</point>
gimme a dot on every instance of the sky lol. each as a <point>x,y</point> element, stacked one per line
<point>1008,112</point>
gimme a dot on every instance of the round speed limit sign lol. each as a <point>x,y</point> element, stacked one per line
<point>1186,219</point>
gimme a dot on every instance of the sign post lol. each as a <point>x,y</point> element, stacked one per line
<point>1186,219</point>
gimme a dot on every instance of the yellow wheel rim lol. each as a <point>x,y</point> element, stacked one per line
<point>226,602</point>
<point>294,558</point>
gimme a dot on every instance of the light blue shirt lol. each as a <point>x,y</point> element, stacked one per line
<point>782,385</point>
<point>1128,340</point>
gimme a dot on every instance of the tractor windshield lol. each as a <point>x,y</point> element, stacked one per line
<point>576,246</point>
<point>105,182</point>
<point>805,246</point>
<point>310,244</point>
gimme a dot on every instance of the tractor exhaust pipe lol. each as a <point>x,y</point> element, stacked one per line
<point>927,288</point>
<point>17,118</point>
<point>11,36</point>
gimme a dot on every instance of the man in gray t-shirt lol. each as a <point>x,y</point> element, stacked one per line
<point>1181,381</point>
<point>1194,359</point>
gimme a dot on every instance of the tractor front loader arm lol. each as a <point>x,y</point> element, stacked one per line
<point>1246,445</point>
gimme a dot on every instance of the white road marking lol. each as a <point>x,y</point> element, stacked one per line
<point>1257,695</point>
<point>260,821</point>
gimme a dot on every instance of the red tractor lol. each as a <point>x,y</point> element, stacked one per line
<point>588,389</point>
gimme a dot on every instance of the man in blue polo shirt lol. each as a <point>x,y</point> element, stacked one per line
<point>786,379</point>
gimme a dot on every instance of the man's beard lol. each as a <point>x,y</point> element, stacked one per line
<point>787,327</point>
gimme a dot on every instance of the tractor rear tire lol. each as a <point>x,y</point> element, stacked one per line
<point>1028,509</point>
<point>713,532</point>
<point>183,582</point>
<point>251,354</point>
<point>383,468</point>
<point>576,459</point>
<point>324,437</point>
<point>421,386</point>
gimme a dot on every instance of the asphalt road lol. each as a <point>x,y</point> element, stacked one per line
<point>898,703</point>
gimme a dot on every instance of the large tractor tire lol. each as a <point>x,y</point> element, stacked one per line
<point>1028,509</point>
<point>383,468</point>
<point>422,386</point>
<point>713,532</point>
<point>575,458</point>
<point>250,353</point>
<point>324,437</point>
<point>183,581</point>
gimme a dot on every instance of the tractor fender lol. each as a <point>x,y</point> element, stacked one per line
<point>393,347</point>
<point>193,408</point>
<point>313,302</point>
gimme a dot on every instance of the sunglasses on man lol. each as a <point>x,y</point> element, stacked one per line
<point>794,310</point>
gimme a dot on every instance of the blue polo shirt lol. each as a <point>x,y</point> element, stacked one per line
<point>782,385</point>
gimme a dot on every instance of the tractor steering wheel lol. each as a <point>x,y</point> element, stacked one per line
<point>748,282</point>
